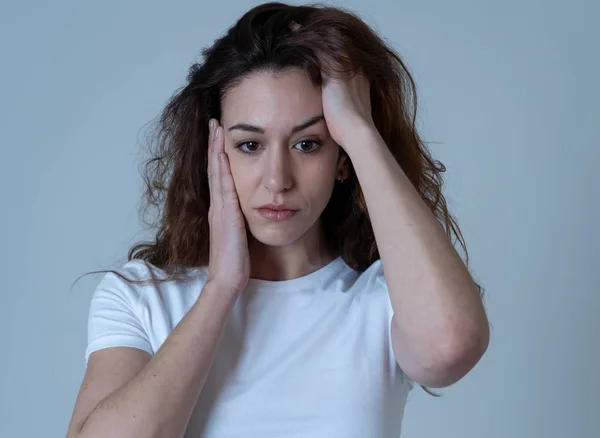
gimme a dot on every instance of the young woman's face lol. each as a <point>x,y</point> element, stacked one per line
<point>280,152</point>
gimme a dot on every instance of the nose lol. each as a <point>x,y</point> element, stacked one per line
<point>277,174</point>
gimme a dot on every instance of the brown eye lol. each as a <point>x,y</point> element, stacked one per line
<point>253,147</point>
<point>308,146</point>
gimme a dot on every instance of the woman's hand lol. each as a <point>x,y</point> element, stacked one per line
<point>346,107</point>
<point>229,264</point>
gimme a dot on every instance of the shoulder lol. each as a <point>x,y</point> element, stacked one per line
<point>118,285</point>
<point>364,286</point>
<point>136,275</point>
<point>128,282</point>
<point>373,276</point>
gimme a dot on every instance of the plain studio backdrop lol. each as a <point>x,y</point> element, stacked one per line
<point>508,101</point>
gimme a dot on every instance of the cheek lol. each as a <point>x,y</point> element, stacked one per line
<point>318,184</point>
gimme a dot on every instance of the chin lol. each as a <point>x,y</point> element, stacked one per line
<point>275,237</point>
<point>278,233</point>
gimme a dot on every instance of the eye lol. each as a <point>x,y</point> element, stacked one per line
<point>253,147</point>
<point>306,146</point>
<point>307,143</point>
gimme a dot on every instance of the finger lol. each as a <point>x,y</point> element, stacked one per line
<point>208,154</point>
<point>219,143</point>
<point>209,160</point>
<point>216,168</point>
<point>227,182</point>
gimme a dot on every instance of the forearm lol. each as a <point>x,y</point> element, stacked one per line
<point>436,303</point>
<point>159,400</point>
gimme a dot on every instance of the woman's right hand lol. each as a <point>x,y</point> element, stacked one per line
<point>229,262</point>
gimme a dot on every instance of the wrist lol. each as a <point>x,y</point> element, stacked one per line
<point>213,287</point>
<point>363,139</point>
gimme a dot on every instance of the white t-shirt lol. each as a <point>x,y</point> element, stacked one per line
<point>309,357</point>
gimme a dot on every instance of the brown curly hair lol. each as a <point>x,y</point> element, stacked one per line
<point>272,37</point>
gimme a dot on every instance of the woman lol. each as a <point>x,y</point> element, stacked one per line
<point>291,175</point>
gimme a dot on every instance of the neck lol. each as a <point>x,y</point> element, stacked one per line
<point>302,257</point>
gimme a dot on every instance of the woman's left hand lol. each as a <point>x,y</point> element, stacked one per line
<point>346,107</point>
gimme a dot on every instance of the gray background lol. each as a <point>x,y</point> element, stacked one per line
<point>509,99</point>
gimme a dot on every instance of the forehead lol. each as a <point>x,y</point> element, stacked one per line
<point>266,98</point>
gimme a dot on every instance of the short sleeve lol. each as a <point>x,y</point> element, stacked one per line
<point>113,317</point>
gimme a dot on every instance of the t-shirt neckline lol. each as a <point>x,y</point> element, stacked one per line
<point>314,279</point>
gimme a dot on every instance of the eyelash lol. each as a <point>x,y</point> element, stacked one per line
<point>317,143</point>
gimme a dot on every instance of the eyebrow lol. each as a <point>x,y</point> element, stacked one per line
<point>251,128</point>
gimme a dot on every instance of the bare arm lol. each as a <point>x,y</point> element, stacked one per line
<point>127,393</point>
<point>160,398</point>
<point>440,328</point>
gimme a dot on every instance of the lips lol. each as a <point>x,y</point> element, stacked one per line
<point>276,207</point>
<point>276,213</point>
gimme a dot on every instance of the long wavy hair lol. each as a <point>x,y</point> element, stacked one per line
<point>271,37</point>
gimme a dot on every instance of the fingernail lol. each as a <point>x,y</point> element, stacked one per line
<point>211,124</point>
<point>217,133</point>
